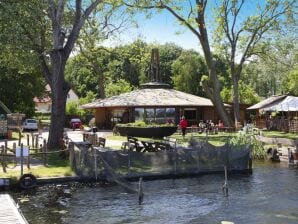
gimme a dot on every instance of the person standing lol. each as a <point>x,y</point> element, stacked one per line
<point>183,125</point>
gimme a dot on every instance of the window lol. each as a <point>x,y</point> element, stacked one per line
<point>160,114</point>
<point>150,116</point>
<point>190,113</point>
<point>139,114</point>
<point>117,115</point>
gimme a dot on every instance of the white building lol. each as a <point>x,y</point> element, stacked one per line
<point>44,105</point>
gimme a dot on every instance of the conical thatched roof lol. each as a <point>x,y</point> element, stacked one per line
<point>145,97</point>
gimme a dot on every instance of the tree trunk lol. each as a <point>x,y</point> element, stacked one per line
<point>59,91</point>
<point>213,92</point>
<point>101,87</point>
<point>101,80</point>
<point>236,99</point>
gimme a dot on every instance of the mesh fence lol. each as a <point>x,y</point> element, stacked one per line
<point>106,163</point>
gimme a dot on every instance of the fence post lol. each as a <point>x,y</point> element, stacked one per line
<point>3,159</point>
<point>72,156</point>
<point>21,159</point>
<point>5,144</point>
<point>129,162</point>
<point>14,146</point>
<point>28,140</point>
<point>32,140</point>
<point>44,150</point>
<point>36,142</point>
<point>28,158</point>
<point>20,137</point>
<point>175,161</point>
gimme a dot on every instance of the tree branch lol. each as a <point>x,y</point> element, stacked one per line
<point>77,25</point>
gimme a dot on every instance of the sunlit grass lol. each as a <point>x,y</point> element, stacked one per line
<point>57,167</point>
<point>279,134</point>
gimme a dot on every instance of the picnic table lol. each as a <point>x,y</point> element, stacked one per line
<point>133,144</point>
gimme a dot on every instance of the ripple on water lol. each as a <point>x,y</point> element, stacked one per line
<point>269,195</point>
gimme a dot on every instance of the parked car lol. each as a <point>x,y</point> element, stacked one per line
<point>75,123</point>
<point>30,124</point>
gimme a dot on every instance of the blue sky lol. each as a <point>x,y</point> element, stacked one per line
<point>163,27</point>
<point>160,28</point>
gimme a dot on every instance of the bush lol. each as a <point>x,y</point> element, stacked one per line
<point>258,151</point>
<point>144,124</point>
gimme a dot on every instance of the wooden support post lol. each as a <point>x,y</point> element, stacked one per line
<point>36,142</point>
<point>28,139</point>
<point>72,161</point>
<point>14,146</point>
<point>20,137</point>
<point>225,185</point>
<point>44,150</point>
<point>28,158</point>
<point>140,191</point>
<point>22,159</point>
<point>32,140</point>
<point>3,159</point>
<point>5,144</point>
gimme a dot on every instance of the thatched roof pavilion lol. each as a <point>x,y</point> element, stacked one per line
<point>153,102</point>
<point>151,97</point>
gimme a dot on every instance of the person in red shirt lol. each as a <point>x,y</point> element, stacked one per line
<point>183,125</point>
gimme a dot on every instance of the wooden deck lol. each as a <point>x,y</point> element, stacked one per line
<point>9,213</point>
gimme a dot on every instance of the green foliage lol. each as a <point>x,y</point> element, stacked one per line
<point>17,89</point>
<point>143,124</point>
<point>188,70</point>
<point>74,108</point>
<point>246,93</point>
<point>242,140</point>
<point>291,82</point>
<point>121,86</point>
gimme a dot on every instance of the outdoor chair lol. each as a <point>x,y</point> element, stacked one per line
<point>101,142</point>
<point>133,144</point>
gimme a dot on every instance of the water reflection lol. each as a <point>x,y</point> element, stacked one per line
<point>269,195</point>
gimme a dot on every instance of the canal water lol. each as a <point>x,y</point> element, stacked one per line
<point>269,195</point>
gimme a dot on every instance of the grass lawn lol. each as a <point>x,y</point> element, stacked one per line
<point>57,167</point>
<point>279,134</point>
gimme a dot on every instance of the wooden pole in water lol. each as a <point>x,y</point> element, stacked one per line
<point>140,191</point>
<point>225,185</point>
<point>95,163</point>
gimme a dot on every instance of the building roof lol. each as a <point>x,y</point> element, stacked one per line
<point>145,97</point>
<point>267,102</point>
<point>290,103</point>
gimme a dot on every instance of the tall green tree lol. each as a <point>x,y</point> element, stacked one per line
<point>193,16</point>
<point>291,82</point>
<point>238,33</point>
<point>242,36</point>
<point>188,70</point>
<point>17,89</point>
<point>49,29</point>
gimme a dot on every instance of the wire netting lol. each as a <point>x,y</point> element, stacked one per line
<point>108,164</point>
